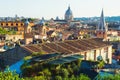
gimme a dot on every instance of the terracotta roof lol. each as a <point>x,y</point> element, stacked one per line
<point>29,35</point>
<point>50,32</point>
<point>67,47</point>
<point>116,57</point>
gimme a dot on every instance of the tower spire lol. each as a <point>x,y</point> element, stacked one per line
<point>102,26</point>
<point>69,6</point>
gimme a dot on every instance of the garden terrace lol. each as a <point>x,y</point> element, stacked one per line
<point>64,60</point>
<point>45,57</point>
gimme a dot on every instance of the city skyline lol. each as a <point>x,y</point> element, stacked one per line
<point>52,8</point>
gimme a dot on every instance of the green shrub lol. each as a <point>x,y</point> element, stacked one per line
<point>58,78</point>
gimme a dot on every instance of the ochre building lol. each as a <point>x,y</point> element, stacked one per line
<point>14,25</point>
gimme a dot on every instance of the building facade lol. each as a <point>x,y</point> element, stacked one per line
<point>18,26</point>
<point>91,49</point>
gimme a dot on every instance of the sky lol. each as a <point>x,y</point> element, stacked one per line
<point>52,8</point>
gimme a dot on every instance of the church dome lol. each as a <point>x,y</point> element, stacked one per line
<point>57,18</point>
<point>68,14</point>
<point>42,22</point>
<point>26,22</point>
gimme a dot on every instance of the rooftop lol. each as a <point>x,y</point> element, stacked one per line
<point>67,47</point>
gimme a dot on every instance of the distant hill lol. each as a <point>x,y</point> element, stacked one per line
<point>107,18</point>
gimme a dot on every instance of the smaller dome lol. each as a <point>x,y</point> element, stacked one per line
<point>42,22</point>
<point>26,22</point>
<point>57,18</point>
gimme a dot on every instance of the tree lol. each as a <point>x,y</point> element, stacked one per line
<point>64,73</point>
<point>101,64</point>
<point>38,53</point>
<point>78,62</point>
<point>58,78</point>
<point>76,69</point>
<point>46,72</point>
<point>73,77</point>
<point>70,70</point>
<point>27,58</point>
<point>108,77</point>
<point>4,31</point>
<point>83,77</point>
<point>86,36</point>
<point>36,78</point>
<point>9,76</point>
<point>28,71</point>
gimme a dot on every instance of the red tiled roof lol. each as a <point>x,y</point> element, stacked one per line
<point>71,46</point>
<point>116,57</point>
<point>29,35</point>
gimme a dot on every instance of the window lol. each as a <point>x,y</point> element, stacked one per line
<point>15,28</point>
<point>11,24</point>
<point>106,52</point>
<point>6,24</point>
<point>91,55</point>
<point>1,24</point>
<point>21,24</point>
<point>16,24</point>
<point>94,54</point>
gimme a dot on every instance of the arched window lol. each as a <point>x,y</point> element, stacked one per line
<point>6,24</point>
<point>21,24</point>
<point>1,24</point>
<point>16,24</point>
<point>11,24</point>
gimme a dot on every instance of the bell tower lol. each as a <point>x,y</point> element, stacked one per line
<point>26,24</point>
<point>102,28</point>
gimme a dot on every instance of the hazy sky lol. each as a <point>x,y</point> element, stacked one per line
<point>53,8</point>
